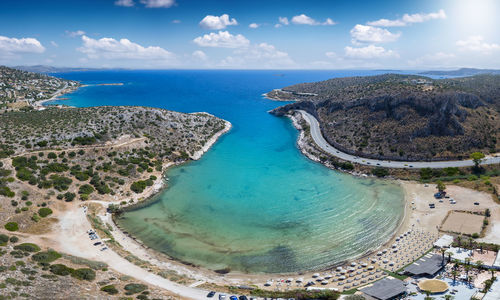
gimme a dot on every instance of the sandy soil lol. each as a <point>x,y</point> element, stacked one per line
<point>419,197</point>
<point>463,222</point>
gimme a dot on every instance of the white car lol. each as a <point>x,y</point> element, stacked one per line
<point>222,296</point>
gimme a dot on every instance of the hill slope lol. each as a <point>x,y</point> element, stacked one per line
<point>402,116</point>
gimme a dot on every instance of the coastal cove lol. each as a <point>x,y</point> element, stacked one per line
<point>253,203</point>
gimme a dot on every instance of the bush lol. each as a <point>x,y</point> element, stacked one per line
<point>134,288</point>
<point>12,226</point>
<point>110,289</point>
<point>14,239</point>
<point>475,235</point>
<point>46,256</point>
<point>138,186</point>
<point>3,239</point>
<point>380,172</point>
<point>84,274</point>
<point>61,270</point>
<point>44,211</point>
<point>85,189</point>
<point>28,247</point>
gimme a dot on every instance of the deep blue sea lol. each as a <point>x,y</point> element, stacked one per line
<point>253,203</point>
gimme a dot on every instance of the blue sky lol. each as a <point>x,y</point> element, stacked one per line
<point>251,34</point>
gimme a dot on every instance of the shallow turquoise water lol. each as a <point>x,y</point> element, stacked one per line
<point>253,203</point>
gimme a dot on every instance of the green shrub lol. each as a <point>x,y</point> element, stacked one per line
<point>14,239</point>
<point>475,235</point>
<point>134,288</point>
<point>46,256</point>
<point>3,239</point>
<point>61,270</point>
<point>110,289</point>
<point>380,172</point>
<point>44,211</point>
<point>12,226</point>
<point>28,247</point>
<point>84,274</point>
<point>85,189</point>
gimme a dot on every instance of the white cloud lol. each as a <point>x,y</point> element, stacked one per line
<point>216,23</point>
<point>222,39</point>
<point>331,54</point>
<point>109,48</point>
<point>419,18</point>
<point>176,21</point>
<point>387,23</point>
<point>54,44</point>
<point>369,34</point>
<point>476,43</point>
<point>158,3</point>
<point>13,46</point>
<point>302,19</point>
<point>198,54</point>
<point>283,20</point>
<point>433,60</point>
<point>261,55</point>
<point>254,25</point>
<point>126,3</point>
<point>369,52</point>
<point>75,33</point>
<point>409,19</point>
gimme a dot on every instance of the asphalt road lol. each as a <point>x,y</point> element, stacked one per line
<point>323,144</point>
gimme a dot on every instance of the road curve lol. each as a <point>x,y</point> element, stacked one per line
<point>325,146</point>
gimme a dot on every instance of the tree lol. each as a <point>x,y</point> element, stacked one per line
<point>449,255</point>
<point>479,264</point>
<point>448,297</point>
<point>477,157</point>
<point>443,251</point>
<point>454,273</point>
<point>440,186</point>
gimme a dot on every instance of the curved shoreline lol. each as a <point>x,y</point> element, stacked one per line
<point>204,274</point>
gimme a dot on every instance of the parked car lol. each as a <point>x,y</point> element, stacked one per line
<point>97,243</point>
<point>233,298</point>
<point>222,296</point>
<point>242,297</point>
<point>211,294</point>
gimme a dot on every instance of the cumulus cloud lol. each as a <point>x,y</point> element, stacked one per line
<point>109,48</point>
<point>126,3</point>
<point>282,21</point>
<point>369,52</point>
<point>254,25</point>
<point>75,33</point>
<point>54,44</point>
<point>13,46</point>
<point>369,34</point>
<point>158,3</point>
<point>476,43</point>
<point>222,39</point>
<point>216,23</point>
<point>303,19</point>
<point>331,54</point>
<point>409,19</point>
<point>261,55</point>
<point>198,54</point>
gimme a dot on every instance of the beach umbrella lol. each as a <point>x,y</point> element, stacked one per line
<point>299,280</point>
<point>339,269</point>
<point>289,280</point>
<point>315,275</point>
<point>353,264</point>
<point>324,282</point>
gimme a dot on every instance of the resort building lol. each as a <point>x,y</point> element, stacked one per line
<point>385,289</point>
<point>427,266</point>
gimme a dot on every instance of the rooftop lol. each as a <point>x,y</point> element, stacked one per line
<point>428,265</point>
<point>387,288</point>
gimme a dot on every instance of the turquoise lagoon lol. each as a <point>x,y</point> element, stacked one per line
<point>253,203</point>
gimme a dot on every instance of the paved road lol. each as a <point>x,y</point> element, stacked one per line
<point>323,144</point>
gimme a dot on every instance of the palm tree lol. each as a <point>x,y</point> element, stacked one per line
<point>467,260</point>
<point>454,273</point>
<point>443,251</point>
<point>492,273</point>
<point>459,240</point>
<point>470,242</point>
<point>448,297</point>
<point>479,264</point>
<point>449,255</point>
<point>467,269</point>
